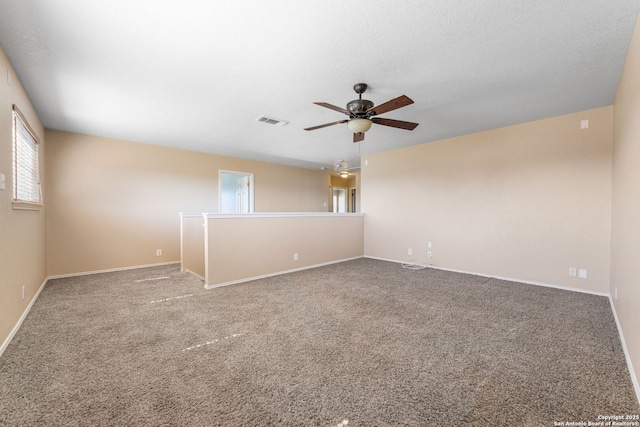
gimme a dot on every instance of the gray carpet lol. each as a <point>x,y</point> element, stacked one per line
<point>361,343</point>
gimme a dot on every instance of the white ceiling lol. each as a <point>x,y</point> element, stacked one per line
<point>195,74</point>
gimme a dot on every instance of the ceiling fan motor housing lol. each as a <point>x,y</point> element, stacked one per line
<point>358,107</point>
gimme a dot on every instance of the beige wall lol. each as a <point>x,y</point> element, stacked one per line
<point>240,248</point>
<point>625,241</point>
<point>525,202</point>
<point>22,233</point>
<point>112,203</point>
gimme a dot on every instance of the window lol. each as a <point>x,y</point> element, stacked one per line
<point>26,165</point>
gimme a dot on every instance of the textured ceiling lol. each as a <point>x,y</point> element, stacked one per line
<point>195,74</point>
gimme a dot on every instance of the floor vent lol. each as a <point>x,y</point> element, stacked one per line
<point>271,121</point>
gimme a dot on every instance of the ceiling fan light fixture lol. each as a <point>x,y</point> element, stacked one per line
<point>344,174</point>
<point>359,125</point>
<point>363,113</point>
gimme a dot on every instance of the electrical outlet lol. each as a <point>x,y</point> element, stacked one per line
<point>158,252</point>
<point>572,271</point>
<point>23,292</point>
<point>429,254</point>
<point>295,256</point>
<point>409,251</point>
<point>582,273</point>
<point>615,292</point>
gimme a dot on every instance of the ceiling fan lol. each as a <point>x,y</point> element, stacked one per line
<point>361,113</point>
<point>342,167</point>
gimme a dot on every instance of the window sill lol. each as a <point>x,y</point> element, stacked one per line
<point>26,206</point>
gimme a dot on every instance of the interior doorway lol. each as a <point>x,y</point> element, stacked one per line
<point>236,192</point>
<point>339,200</point>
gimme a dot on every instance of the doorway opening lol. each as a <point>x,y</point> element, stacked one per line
<point>236,192</point>
<point>339,200</point>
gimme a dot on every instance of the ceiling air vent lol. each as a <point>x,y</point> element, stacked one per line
<point>271,121</point>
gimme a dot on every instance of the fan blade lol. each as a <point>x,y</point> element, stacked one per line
<point>394,104</point>
<point>394,123</point>
<point>357,137</point>
<point>327,124</point>
<point>332,107</point>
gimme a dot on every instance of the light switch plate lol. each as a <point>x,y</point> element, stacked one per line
<point>2,182</point>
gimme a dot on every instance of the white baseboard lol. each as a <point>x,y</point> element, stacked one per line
<point>110,270</point>
<point>634,378</point>
<point>13,332</point>
<point>508,279</point>
<point>264,276</point>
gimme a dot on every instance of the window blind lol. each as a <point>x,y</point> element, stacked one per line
<point>26,167</point>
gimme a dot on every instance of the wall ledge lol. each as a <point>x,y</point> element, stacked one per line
<point>191,214</point>
<point>280,215</point>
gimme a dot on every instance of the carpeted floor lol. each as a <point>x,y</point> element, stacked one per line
<point>361,343</point>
